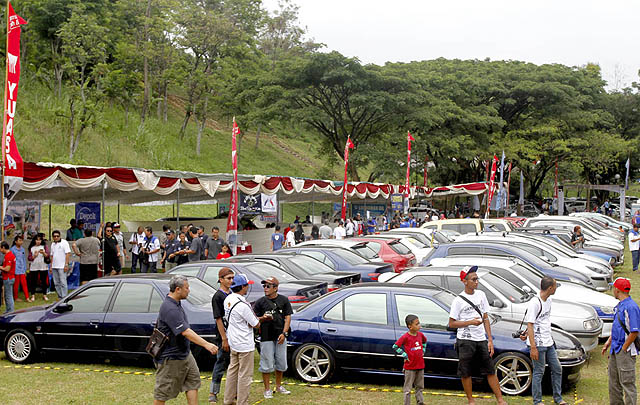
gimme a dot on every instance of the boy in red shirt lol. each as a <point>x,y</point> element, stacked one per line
<point>8,269</point>
<point>411,346</point>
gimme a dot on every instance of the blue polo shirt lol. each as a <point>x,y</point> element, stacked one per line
<point>277,239</point>
<point>21,260</point>
<point>627,311</point>
<point>172,321</point>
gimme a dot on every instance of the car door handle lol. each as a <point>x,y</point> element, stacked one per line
<point>94,322</point>
<point>153,324</point>
<point>332,330</point>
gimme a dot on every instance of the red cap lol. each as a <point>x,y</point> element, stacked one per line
<point>622,284</point>
<point>469,269</point>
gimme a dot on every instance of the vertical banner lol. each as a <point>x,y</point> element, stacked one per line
<point>494,168</point>
<point>232,220</point>
<point>89,213</point>
<point>521,196</point>
<point>347,146</point>
<point>407,184</point>
<point>501,195</point>
<point>506,209</point>
<point>626,178</point>
<point>13,170</point>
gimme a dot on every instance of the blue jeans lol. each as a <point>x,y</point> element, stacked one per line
<point>134,262</point>
<point>8,294</point>
<point>635,258</point>
<point>547,355</point>
<point>60,282</point>
<point>222,362</point>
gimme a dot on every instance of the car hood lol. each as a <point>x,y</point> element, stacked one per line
<point>506,327</point>
<point>25,314</point>
<point>568,291</point>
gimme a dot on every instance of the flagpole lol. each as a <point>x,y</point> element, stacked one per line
<point>4,127</point>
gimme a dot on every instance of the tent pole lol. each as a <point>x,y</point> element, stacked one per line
<point>104,185</point>
<point>49,221</point>
<point>118,211</point>
<point>313,204</point>
<point>178,206</point>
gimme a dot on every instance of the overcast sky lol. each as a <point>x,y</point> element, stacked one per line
<point>570,32</point>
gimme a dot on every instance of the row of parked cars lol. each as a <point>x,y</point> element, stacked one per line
<point>351,297</point>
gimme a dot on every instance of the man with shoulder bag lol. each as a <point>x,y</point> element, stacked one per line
<point>177,370</point>
<point>625,345</point>
<point>540,340</point>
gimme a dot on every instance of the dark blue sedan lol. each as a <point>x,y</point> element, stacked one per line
<point>107,317</point>
<point>342,259</point>
<point>354,328</point>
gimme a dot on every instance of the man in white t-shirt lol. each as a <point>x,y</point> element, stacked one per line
<point>473,341</point>
<point>60,256</point>
<point>339,232</point>
<point>349,228</point>
<point>290,237</point>
<point>150,249</point>
<point>240,320</point>
<point>538,318</point>
<point>136,240</point>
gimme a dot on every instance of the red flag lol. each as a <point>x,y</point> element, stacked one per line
<point>232,220</point>
<point>12,161</point>
<point>508,184</point>
<point>347,146</point>
<point>494,168</point>
<point>406,183</point>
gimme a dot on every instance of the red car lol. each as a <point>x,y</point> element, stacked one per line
<point>391,251</point>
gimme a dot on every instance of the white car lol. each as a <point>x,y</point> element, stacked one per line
<point>510,301</point>
<point>591,235</point>
<point>599,275</point>
<point>604,218</point>
<point>525,276</point>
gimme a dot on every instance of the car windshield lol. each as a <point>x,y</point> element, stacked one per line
<point>529,273</point>
<point>399,248</point>
<point>200,293</point>
<point>365,251</point>
<point>310,265</point>
<point>349,256</point>
<point>415,242</point>
<point>510,291</point>
<point>445,297</point>
<point>264,271</point>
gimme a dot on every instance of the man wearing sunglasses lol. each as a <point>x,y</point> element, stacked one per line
<point>60,257</point>
<point>225,278</point>
<point>474,342</point>
<point>273,335</point>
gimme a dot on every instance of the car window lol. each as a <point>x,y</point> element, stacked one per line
<point>349,256</point>
<point>426,280</point>
<point>375,246</point>
<point>533,275</point>
<point>93,299</point>
<point>454,283</point>
<point>471,250</point>
<point>495,252</point>
<point>467,228</point>
<point>507,275</point>
<point>200,293</point>
<point>431,315</point>
<point>490,296</point>
<point>156,301</point>
<point>399,248</point>
<point>310,265</point>
<point>319,256</point>
<point>451,227</point>
<point>363,308</point>
<point>265,270</point>
<point>365,251</point>
<point>187,270</point>
<point>211,276</point>
<point>430,226</point>
<point>133,297</point>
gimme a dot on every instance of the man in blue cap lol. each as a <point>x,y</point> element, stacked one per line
<point>474,342</point>
<point>240,321</point>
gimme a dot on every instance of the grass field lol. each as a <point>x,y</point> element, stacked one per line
<point>106,383</point>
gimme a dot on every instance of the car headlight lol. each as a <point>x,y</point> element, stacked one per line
<point>597,270</point>
<point>590,324</point>
<point>569,354</point>
<point>607,310</point>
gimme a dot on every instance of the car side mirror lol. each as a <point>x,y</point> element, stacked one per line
<point>497,303</point>
<point>526,289</point>
<point>545,258</point>
<point>63,307</point>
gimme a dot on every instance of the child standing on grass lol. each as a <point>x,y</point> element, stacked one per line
<point>411,346</point>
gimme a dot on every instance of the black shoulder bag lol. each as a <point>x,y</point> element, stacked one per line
<point>520,331</point>
<point>626,331</point>
<point>157,342</point>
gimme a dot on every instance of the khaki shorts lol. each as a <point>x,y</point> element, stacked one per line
<point>176,376</point>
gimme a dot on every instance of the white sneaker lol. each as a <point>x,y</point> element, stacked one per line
<point>282,390</point>
<point>268,394</point>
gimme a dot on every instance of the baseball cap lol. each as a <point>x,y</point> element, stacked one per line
<point>225,271</point>
<point>116,225</point>
<point>169,232</point>
<point>469,269</point>
<point>239,280</point>
<point>270,280</point>
<point>622,284</point>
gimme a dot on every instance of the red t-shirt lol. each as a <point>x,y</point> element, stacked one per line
<point>223,255</point>
<point>412,345</point>
<point>9,260</point>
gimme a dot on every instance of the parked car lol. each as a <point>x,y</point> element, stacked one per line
<point>390,251</point>
<point>110,317</point>
<point>361,248</point>
<point>433,237</point>
<point>353,330</point>
<point>510,301</point>
<point>462,225</point>
<point>419,249</point>
<point>342,259</point>
<point>528,278</point>
<point>305,267</point>
<point>298,291</point>
<point>612,222</point>
<point>504,250</point>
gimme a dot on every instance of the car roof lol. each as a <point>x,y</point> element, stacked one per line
<point>387,286</point>
<point>496,260</point>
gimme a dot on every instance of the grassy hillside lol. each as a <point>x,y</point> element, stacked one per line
<point>42,133</point>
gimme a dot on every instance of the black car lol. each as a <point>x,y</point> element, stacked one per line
<point>298,291</point>
<point>306,268</point>
<point>107,317</point>
<point>343,259</point>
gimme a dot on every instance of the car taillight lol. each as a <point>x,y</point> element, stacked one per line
<point>374,276</point>
<point>333,287</point>
<point>297,299</point>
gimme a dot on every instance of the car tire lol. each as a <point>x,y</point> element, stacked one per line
<point>313,363</point>
<point>514,372</point>
<point>20,347</point>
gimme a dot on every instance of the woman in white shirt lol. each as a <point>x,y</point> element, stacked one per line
<point>38,257</point>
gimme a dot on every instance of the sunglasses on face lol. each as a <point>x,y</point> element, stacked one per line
<point>228,278</point>
<point>268,285</point>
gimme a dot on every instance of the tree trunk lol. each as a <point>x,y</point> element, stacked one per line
<point>352,172</point>
<point>145,99</point>
<point>185,121</point>
<point>164,102</point>
<point>257,136</point>
<point>72,118</point>
<point>203,122</point>
<point>57,68</point>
